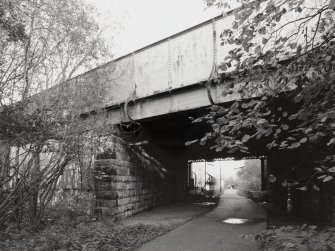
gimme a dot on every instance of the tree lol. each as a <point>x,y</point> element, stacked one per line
<point>249,176</point>
<point>43,112</point>
<point>282,65</point>
<point>12,29</point>
<point>60,40</point>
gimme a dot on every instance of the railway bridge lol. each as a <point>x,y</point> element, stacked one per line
<point>150,95</point>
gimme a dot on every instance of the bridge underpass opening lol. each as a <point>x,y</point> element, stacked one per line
<point>210,178</point>
<point>164,137</point>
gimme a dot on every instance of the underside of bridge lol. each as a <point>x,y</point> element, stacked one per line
<point>149,163</point>
<point>169,133</point>
<point>134,180</point>
<point>164,138</point>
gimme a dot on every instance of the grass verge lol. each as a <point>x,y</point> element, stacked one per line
<point>92,236</point>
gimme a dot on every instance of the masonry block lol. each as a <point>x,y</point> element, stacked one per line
<point>107,170</point>
<point>124,201</point>
<point>108,203</point>
<point>107,195</point>
<point>122,184</point>
<point>123,171</point>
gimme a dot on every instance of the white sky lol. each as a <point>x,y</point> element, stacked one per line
<point>144,22</point>
<point>229,168</point>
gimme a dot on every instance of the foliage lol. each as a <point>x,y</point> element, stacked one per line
<point>70,207</point>
<point>281,67</point>
<point>38,147</point>
<point>11,27</point>
<point>44,44</point>
<point>86,236</point>
<point>297,238</point>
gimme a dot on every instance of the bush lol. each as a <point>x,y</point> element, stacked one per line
<point>298,238</point>
<point>89,236</point>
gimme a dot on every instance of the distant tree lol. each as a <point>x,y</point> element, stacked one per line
<point>283,67</point>
<point>45,43</point>
<point>249,176</point>
<point>11,27</point>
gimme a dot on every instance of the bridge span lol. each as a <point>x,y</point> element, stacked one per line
<point>161,86</point>
<point>167,76</point>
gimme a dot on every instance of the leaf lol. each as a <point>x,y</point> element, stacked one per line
<point>198,120</point>
<point>304,188</point>
<point>258,49</point>
<point>331,170</point>
<point>284,183</point>
<point>331,142</point>
<point>220,140</point>
<point>191,142</point>
<point>328,178</point>
<point>285,127</point>
<point>261,121</point>
<point>316,188</point>
<point>245,138</point>
<point>215,107</point>
<point>268,131</point>
<point>321,134</point>
<point>303,140</point>
<point>259,135</point>
<point>223,67</point>
<point>283,144</point>
<point>270,145</point>
<point>293,45</point>
<point>313,138</point>
<point>308,130</point>
<point>274,64</point>
<point>299,9</point>
<point>293,184</point>
<point>324,119</point>
<point>262,31</point>
<point>272,178</point>
<point>294,145</point>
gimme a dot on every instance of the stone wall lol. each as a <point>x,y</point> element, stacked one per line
<point>128,181</point>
